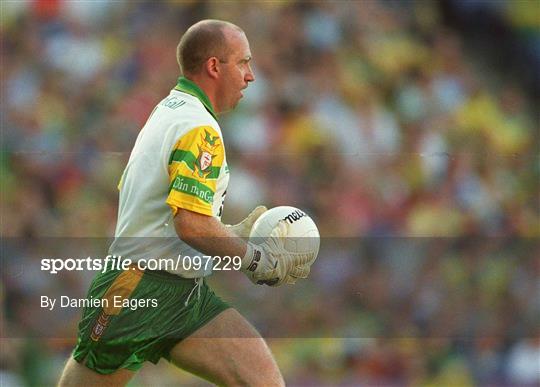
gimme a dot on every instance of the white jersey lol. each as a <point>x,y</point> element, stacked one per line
<point>178,161</point>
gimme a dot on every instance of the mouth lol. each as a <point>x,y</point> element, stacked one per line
<point>241,93</point>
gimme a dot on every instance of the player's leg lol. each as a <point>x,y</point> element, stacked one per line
<point>228,351</point>
<point>76,374</point>
<point>100,356</point>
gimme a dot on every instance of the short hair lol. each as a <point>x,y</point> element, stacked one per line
<point>201,41</point>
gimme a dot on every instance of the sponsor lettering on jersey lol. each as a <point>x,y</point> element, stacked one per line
<point>172,102</point>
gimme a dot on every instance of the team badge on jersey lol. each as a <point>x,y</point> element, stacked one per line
<point>207,151</point>
<point>194,168</point>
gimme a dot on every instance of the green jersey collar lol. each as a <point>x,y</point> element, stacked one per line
<point>189,87</point>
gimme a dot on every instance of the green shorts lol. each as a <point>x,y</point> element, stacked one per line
<point>139,316</point>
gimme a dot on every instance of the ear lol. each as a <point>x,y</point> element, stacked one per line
<point>211,67</point>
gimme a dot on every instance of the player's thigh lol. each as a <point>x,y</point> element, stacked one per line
<point>76,374</point>
<point>228,351</point>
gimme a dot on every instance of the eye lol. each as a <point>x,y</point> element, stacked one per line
<point>245,60</point>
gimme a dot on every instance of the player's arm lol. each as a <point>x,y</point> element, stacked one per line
<point>268,263</point>
<point>207,234</point>
<point>194,168</point>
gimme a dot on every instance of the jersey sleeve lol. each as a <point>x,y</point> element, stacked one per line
<point>194,167</point>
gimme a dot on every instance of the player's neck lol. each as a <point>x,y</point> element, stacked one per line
<point>209,89</point>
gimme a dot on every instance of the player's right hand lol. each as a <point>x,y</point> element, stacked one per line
<point>243,229</point>
<point>270,264</point>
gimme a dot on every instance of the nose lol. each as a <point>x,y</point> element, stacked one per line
<point>250,76</point>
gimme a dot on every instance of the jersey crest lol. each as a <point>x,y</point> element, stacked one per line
<point>207,151</point>
<point>195,166</point>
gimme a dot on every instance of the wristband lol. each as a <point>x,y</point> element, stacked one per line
<point>251,260</point>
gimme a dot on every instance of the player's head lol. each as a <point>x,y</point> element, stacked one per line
<point>217,52</point>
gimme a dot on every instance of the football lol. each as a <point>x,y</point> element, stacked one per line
<point>302,237</point>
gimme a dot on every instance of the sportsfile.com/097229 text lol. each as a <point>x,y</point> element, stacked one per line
<point>113,262</point>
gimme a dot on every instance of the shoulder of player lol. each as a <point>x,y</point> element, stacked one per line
<point>193,113</point>
<point>182,111</point>
<point>194,120</point>
<point>193,105</point>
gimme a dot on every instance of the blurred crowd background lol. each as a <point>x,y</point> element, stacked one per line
<point>409,130</point>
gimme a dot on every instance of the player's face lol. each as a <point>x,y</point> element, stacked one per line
<point>236,71</point>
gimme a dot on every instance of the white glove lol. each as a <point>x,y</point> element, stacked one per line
<point>243,229</point>
<point>269,263</point>
<point>298,272</point>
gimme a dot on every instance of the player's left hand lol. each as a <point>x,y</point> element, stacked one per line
<point>243,229</point>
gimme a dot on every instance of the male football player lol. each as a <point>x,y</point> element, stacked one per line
<point>171,198</point>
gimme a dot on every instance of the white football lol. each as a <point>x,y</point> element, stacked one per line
<point>302,237</point>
